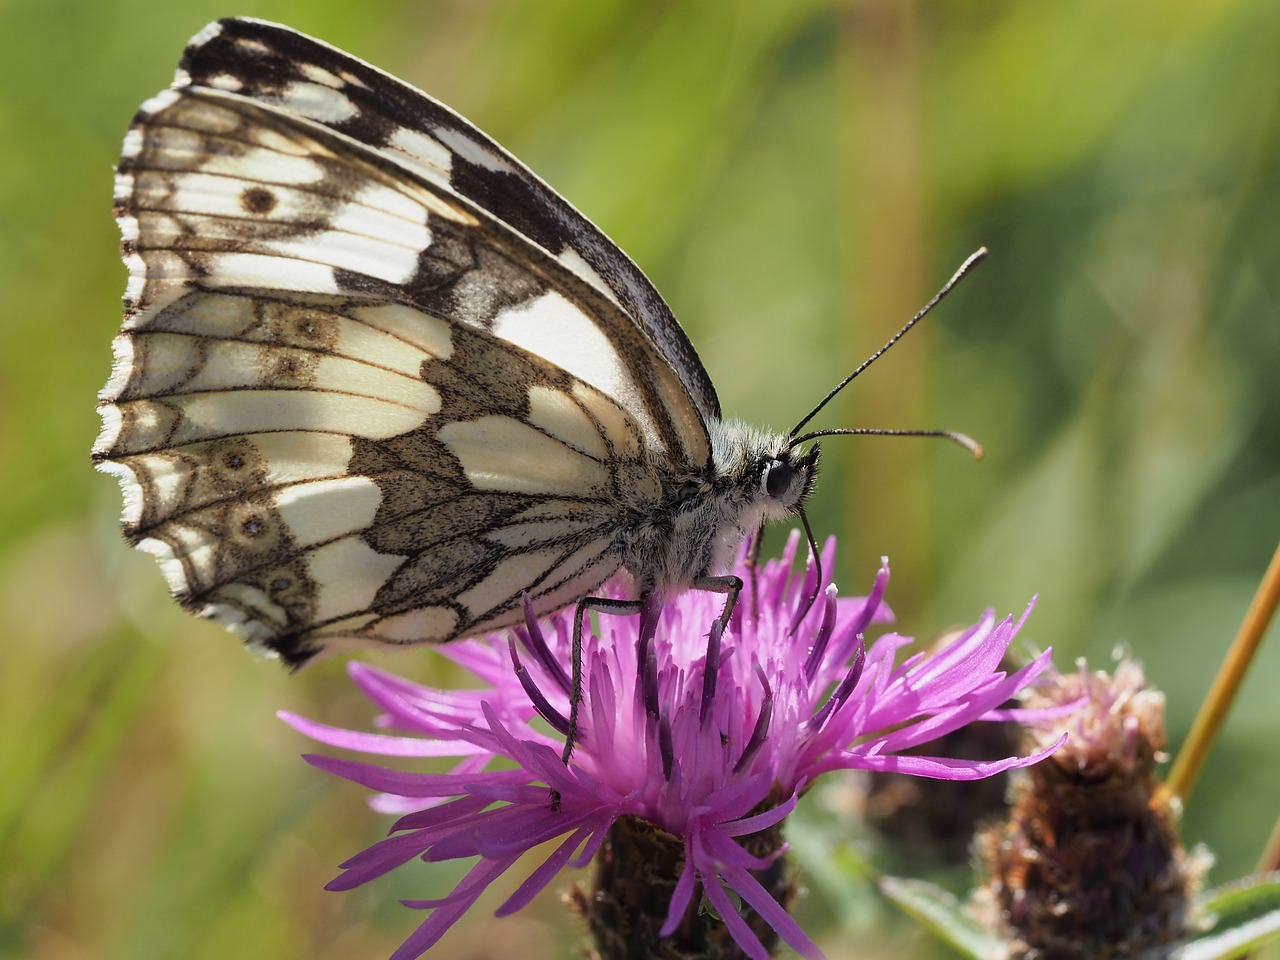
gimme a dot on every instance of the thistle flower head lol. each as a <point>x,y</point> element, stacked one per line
<point>709,739</point>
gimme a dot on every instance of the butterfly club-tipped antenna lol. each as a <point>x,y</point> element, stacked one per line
<point>961,439</point>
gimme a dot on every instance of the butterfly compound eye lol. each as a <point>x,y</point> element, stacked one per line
<point>778,478</point>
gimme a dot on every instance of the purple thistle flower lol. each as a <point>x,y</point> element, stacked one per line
<point>713,764</point>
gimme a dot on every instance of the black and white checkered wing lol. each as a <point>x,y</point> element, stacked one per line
<point>353,400</point>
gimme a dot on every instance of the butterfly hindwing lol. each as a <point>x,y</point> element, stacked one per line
<point>284,511</point>
<point>350,403</point>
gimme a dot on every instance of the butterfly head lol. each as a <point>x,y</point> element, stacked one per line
<point>766,476</point>
<point>787,479</point>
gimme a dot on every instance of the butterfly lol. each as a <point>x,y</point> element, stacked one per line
<point>377,383</point>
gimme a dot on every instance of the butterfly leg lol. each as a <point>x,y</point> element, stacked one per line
<point>731,586</point>
<point>604,605</point>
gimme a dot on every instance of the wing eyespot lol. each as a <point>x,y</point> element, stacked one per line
<point>258,201</point>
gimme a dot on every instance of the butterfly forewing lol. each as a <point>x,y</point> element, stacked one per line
<point>348,401</point>
<point>278,66</point>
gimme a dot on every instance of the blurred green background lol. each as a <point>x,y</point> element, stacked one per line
<point>797,178</point>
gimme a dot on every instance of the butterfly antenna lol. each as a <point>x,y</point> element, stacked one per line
<point>960,439</point>
<point>974,259</point>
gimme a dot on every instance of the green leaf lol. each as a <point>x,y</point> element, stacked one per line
<point>1241,916</point>
<point>946,916</point>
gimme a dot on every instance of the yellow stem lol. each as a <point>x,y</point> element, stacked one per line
<point>1213,712</point>
<point>1270,859</point>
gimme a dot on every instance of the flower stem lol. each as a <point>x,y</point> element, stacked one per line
<point>1213,712</point>
<point>1270,859</point>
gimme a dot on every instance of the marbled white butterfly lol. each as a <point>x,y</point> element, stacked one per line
<point>378,383</point>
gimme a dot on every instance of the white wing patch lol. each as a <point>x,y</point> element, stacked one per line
<point>523,567</point>
<point>211,416</point>
<point>583,570</point>
<point>573,260</point>
<point>427,336</point>
<point>325,510</point>
<point>555,330</point>
<point>424,623</point>
<point>249,270</point>
<point>351,572</point>
<point>555,412</point>
<point>320,102</point>
<point>487,449</point>
<point>424,153</point>
<point>473,151</point>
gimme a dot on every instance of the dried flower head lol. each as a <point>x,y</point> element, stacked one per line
<point>1089,862</point>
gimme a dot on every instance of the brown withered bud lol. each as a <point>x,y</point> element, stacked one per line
<point>1089,862</point>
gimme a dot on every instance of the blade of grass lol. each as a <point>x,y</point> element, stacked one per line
<point>1235,666</point>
